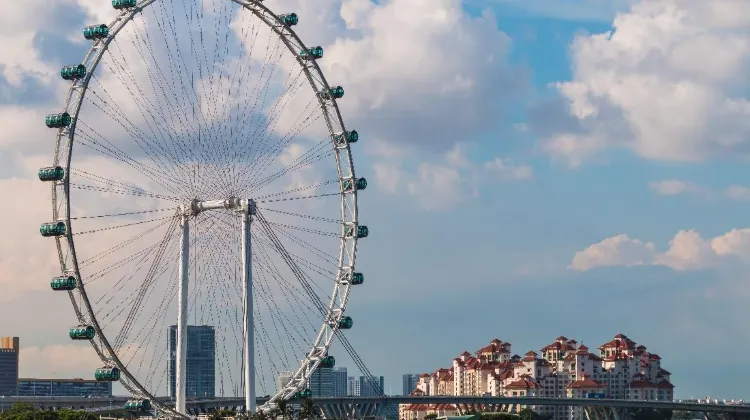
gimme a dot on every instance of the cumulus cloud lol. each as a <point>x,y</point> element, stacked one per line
<point>448,182</point>
<point>666,83</point>
<point>675,187</point>
<point>687,250</point>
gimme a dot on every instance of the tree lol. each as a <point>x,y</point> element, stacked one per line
<point>283,410</point>
<point>431,416</point>
<point>221,414</point>
<point>309,411</point>
<point>260,415</point>
<point>682,415</point>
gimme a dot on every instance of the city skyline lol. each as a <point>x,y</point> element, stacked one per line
<point>537,172</point>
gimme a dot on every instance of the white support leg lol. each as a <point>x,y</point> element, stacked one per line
<point>249,333</point>
<point>180,362</point>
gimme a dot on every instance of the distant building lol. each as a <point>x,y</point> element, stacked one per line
<point>9,349</point>
<point>33,387</point>
<point>622,369</point>
<point>283,379</point>
<point>352,387</point>
<point>410,381</point>
<point>340,383</point>
<point>201,361</point>
<point>371,388</point>
<point>328,382</point>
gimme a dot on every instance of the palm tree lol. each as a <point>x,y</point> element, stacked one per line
<point>260,415</point>
<point>309,411</point>
<point>284,410</point>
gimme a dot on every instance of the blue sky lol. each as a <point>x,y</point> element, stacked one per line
<point>515,250</point>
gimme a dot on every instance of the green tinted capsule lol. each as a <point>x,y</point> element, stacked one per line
<point>336,92</point>
<point>313,53</point>
<point>107,374</point>
<point>95,32</point>
<point>289,19</point>
<point>82,332</point>
<point>57,120</point>
<point>328,362</point>
<point>346,323</point>
<point>63,283</point>
<point>73,72</point>
<point>52,173</point>
<point>123,4</point>
<point>53,229</point>
<point>357,278</point>
<point>362,231</point>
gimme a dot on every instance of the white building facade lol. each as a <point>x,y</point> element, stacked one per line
<point>621,369</point>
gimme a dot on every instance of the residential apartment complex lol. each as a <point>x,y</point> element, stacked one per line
<point>621,369</point>
<point>9,348</point>
<point>328,382</point>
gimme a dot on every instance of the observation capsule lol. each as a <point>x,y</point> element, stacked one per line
<point>313,53</point>
<point>107,374</point>
<point>357,278</point>
<point>289,19</point>
<point>305,393</point>
<point>73,72</point>
<point>328,362</point>
<point>82,332</point>
<point>123,4</point>
<point>57,120</point>
<point>350,185</point>
<point>346,323</point>
<point>64,283</point>
<point>336,92</point>
<point>362,231</point>
<point>96,32</point>
<point>342,139</point>
<point>53,229</point>
<point>52,173</point>
<point>138,405</point>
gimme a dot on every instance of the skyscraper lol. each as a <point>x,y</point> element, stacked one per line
<point>9,347</point>
<point>328,382</point>
<point>339,382</point>
<point>410,381</point>
<point>371,388</point>
<point>352,388</point>
<point>201,361</point>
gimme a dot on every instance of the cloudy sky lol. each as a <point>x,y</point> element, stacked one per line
<point>536,169</point>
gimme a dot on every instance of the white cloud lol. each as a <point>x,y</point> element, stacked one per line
<point>447,183</point>
<point>688,250</point>
<point>677,187</point>
<point>738,193</point>
<point>667,83</point>
<point>674,187</point>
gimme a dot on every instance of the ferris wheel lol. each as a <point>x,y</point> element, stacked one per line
<point>207,223</point>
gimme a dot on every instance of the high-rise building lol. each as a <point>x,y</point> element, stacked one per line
<point>373,387</point>
<point>9,348</point>
<point>283,379</point>
<point>352,388</point>
<point>410,381</point>
<point>321,382</point>
<point>200,361</point>
<point>33,387</point>
<point>328,382</point>
<point>339,382</point>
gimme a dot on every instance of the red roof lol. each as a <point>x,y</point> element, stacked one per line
<point>524,383</point>
<point>586,383</point>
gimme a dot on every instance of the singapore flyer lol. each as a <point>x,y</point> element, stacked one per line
<point>204,203</point>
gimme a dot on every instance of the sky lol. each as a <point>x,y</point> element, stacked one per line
<point>534,170</point>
